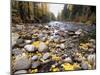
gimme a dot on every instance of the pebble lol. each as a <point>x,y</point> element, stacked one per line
<point>28,41</point>
<point>19,41</point>
<point>20,72</point>
<point>34,58</point>
<point>15,36</point>
<point>42,47</point>
<point>35,64</point>
<point>17,51</point>
<point>84,66</point>
<point>62,46</point>
<point>30,48</point>
<point>46,56</point>
<point>68,60</point>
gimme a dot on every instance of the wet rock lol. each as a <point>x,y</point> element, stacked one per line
<point>30,48</point>
<point>22,62</point>
<point>34,58</point>
<point>20,72</point>
<point>28,41</point>
<point>46,56</point>
<point>19,27</point>
<point>17,51</point>
<point>35,64</point>
<point>42,47</point>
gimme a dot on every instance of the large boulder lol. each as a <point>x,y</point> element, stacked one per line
<point>22,62</point>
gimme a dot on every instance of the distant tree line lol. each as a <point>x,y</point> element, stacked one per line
<point>78,13</point>
<point>31,12</point>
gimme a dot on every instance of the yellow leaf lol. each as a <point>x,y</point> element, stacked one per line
<point>55,69</point>
<point>67,66</point>
<point>35,70</point>
<point>76,66</point>
<point>47,42</point>
<point>36,44</point>
<point>56,58</point>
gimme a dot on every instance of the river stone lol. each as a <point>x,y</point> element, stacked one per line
<point>28,41</point>
<point>79,31</point>
<point>29,48</point>
<point>19,41</point>
<point>20,72</point>
<point>91,58</point>
<point>62,46</point>
<point>68,59</point>
<point>21,45</point>
<point>15,36</point>
<point>35,64</point>
<point>46,56</point>
<point>42,47</point>
<point>22,62</point>
<point>17,51</point>
<point>84,66</point>
<point>34,57</point>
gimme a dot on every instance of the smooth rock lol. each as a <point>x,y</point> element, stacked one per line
<point>15,36</point>
<point>29,48</point>
<point>28,41</point>
<point>21,45</point>
<point>84,66</point>
<point>68,59</point>
<point>35,64</point>
<point>91,58</point>
<point>21,72</point>
<point>19,41</point>
<point>17,51</point>
<point>46,56</point>
<point>62,46</point>
<point>42,47</point>
<point>79,31</point>
<point>22,62</point>
<point>34,57</point>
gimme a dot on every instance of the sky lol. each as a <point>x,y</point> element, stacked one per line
<point>56,8</point>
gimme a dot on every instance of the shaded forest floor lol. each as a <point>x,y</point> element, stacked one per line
<point>47,48</point>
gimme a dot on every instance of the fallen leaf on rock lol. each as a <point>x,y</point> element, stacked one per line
<point>36,44</point>
<point>76,66</point>
<point>34,70</point>
<point>67,66</point>
<point>56,58</point>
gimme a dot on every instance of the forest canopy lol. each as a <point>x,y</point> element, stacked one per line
<point>38,12</point>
